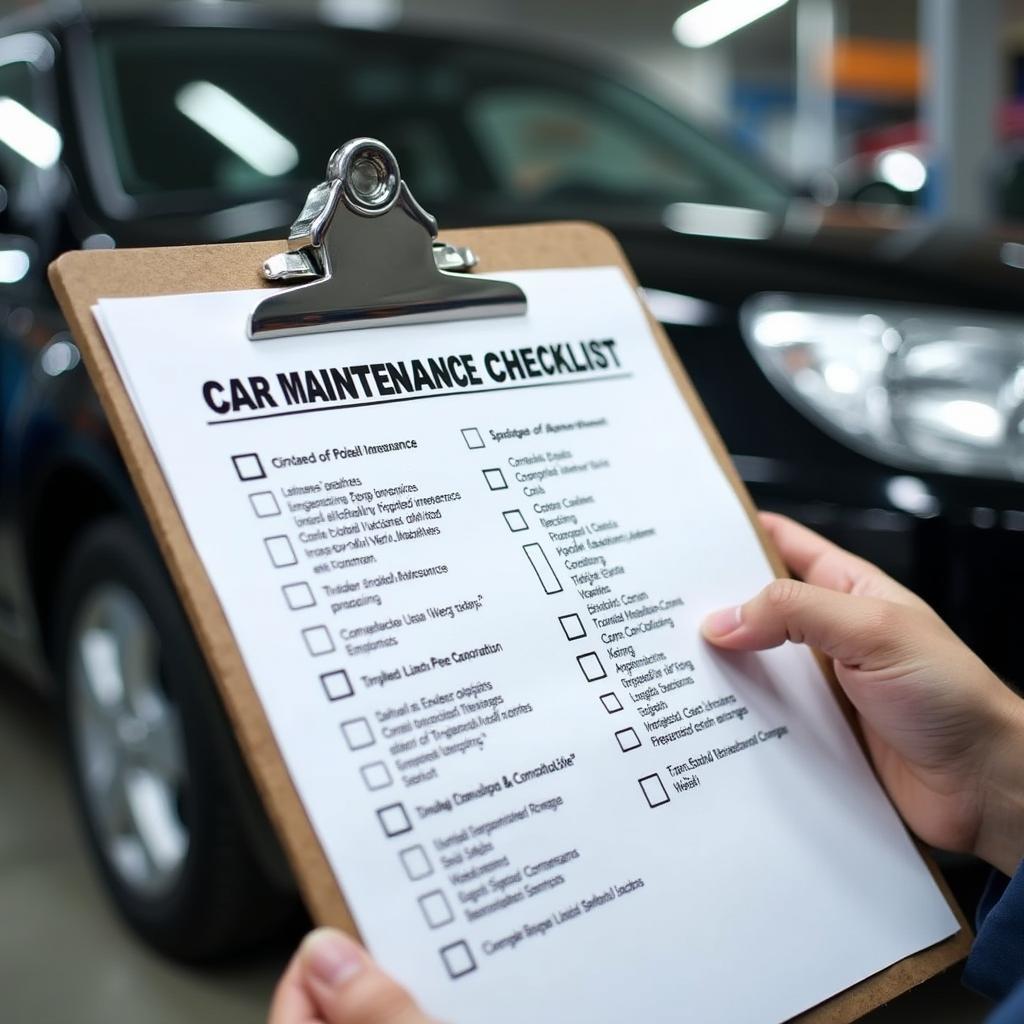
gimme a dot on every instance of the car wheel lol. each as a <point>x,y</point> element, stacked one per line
<point>150,755</point>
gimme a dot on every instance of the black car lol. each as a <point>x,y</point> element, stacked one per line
<point>868,380</point>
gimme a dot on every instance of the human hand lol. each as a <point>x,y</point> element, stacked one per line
<point>332,980</point>
<point>945,735</point>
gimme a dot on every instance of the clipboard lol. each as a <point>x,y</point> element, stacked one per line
<point>80,279</point>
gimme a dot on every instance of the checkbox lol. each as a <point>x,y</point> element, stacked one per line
<point>611,702</point>
<point>416,863</point>
<point>248,466</point>
<point>394,820</point>
<point>591,667</point>
<point>572,626</point>
<point>514,520</point>
<point>628,739</point>
<point>280,550</point>
<point>542,567</point>
<point>318,640</point>
<point>495,479</point>
<point>298,596</point>
<point>472,438</point>
<point>653,790</point>
<point>264,504</point>
<point>458,959</point>
<point>376,775</point>
<point>358,734</point>
<point>337,686</point>
<point>436,909</point>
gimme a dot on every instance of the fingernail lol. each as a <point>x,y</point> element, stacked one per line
<point>331,957</point>
<point>723,622</point>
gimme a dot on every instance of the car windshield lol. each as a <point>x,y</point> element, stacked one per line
<point>241,112</point>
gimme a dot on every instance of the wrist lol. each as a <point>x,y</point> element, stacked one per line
<point>1000,839</point>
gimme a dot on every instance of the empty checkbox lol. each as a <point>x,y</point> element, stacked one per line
<point>591,667</point>
<point>248,466</point>
<point>394,820</point>
<point>376,775</point>
<point>337,685</point>
<point>458,959</point>
<point>514,521</point>
<point>264,504</point>
<point>280,550</point>
<point>318,640</point>
<point>436,909</point>
<point>416,863</point>
<point>542,567</point>
<point>611,702</point>
<point>472,438</point>
<point>298,596</point>
<point>653,790</point>
<point>572,626</point>
<point>495,479</point>
<point>358,734</point>
<point>628,739</point>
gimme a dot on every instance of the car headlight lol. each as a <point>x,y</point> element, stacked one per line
<point>920,387</point>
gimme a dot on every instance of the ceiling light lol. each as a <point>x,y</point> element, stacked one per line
<point>715,19</point>
<point>903,170</point>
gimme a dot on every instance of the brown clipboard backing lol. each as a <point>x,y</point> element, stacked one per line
<point>79,279</point>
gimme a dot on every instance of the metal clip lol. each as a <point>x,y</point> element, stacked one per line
<point>370,255</point>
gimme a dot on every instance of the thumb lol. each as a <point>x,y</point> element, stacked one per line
<point>859,632</point>
<point>347,987</point>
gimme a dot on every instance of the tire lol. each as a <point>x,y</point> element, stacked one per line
<point>153,763</point>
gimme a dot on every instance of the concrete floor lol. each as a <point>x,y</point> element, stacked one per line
<point>66,959</point>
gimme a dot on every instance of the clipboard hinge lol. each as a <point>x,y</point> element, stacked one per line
<point>369,256</point>
<point>302,264</point>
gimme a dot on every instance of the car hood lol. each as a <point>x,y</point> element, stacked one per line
<point>839,250</point>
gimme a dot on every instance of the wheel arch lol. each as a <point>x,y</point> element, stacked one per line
<point>71,494</point>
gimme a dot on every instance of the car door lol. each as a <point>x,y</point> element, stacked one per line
<point>30,183</point>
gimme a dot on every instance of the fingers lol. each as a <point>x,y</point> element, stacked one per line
<point>347,987</point>
<point>824,564</point>
<point>292,1003</point>
<point>859,632</point>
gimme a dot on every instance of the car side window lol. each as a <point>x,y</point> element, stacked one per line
<point>544,144</point>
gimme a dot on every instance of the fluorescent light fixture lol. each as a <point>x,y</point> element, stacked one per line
<point>718,221</point>
<point>14,264</point>
<point>674,308</point>
<point>28,135</point>
<point>715,19</point>
<point>902,169</point>
<point>361,13</point>
<point>237,128</point>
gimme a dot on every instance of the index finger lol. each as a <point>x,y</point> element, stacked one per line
<point>291,1003</point>
<point>823,564</point>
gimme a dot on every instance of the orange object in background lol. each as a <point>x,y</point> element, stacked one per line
<point>877,66</point>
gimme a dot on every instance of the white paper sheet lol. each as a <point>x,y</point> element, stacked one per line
<point>545,797</point>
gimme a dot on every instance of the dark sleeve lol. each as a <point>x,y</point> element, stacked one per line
<point>996,964</point>
<point>1011,1009</point>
